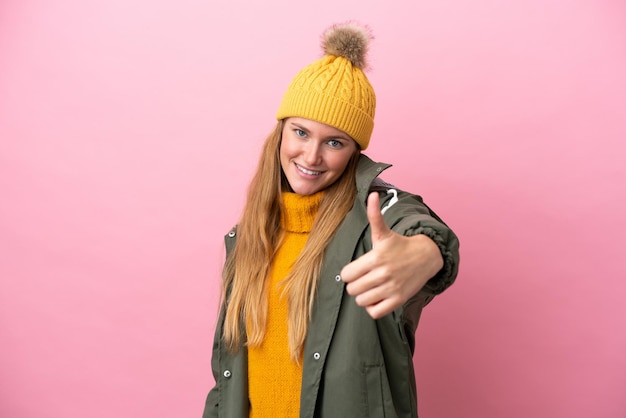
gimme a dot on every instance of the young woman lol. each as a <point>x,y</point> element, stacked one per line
<point>329,268</point>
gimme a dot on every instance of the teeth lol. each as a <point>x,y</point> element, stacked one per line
<point>309,172</point>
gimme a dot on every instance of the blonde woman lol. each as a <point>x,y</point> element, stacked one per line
<point>329,267</point>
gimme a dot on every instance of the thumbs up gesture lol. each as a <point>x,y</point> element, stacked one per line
<point>395,269</point>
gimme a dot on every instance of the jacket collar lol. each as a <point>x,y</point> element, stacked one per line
<point>367,170</point>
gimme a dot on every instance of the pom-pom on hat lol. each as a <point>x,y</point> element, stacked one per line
<point>334,89</point>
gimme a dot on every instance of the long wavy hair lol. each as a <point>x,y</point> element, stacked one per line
<point>258,237</point>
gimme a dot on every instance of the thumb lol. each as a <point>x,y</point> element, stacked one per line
<point>379,228</point>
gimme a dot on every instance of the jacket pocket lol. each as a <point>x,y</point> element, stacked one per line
<point>378,401</point>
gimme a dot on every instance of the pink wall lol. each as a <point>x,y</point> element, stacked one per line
<point>128,132</point>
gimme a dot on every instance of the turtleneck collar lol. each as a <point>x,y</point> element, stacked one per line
<point>300,211</point>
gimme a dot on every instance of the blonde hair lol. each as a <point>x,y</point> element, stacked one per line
<point>259,236</point>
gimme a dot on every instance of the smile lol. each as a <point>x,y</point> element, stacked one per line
<point>309,172</point>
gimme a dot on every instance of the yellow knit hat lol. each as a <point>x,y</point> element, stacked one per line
<point>334,89</point>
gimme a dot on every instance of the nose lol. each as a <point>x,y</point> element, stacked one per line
<point>312,154</point>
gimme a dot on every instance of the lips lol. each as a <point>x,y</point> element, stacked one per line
<point>308,172</point>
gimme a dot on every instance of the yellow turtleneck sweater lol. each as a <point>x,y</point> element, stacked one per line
<point>274,379</point>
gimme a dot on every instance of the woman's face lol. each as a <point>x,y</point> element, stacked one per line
<point>313,155</point>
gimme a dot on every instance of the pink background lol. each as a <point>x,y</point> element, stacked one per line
<point>128,133</point>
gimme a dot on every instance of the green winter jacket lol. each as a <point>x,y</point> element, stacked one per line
<point>354,366</point>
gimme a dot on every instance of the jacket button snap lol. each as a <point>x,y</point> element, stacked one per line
<point>337,278</point>
<point>231,234</point>
<point>316,356</point>
<point>227,374</point>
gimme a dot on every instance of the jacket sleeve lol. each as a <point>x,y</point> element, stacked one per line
<point>408,216</point>
<point>212,400</point>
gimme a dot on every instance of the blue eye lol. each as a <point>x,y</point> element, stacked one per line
<point>335,144</point>
<point>300,133</point>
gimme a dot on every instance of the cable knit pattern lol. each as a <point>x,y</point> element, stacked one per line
<point>274,379</point>
<point>334,89</point>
